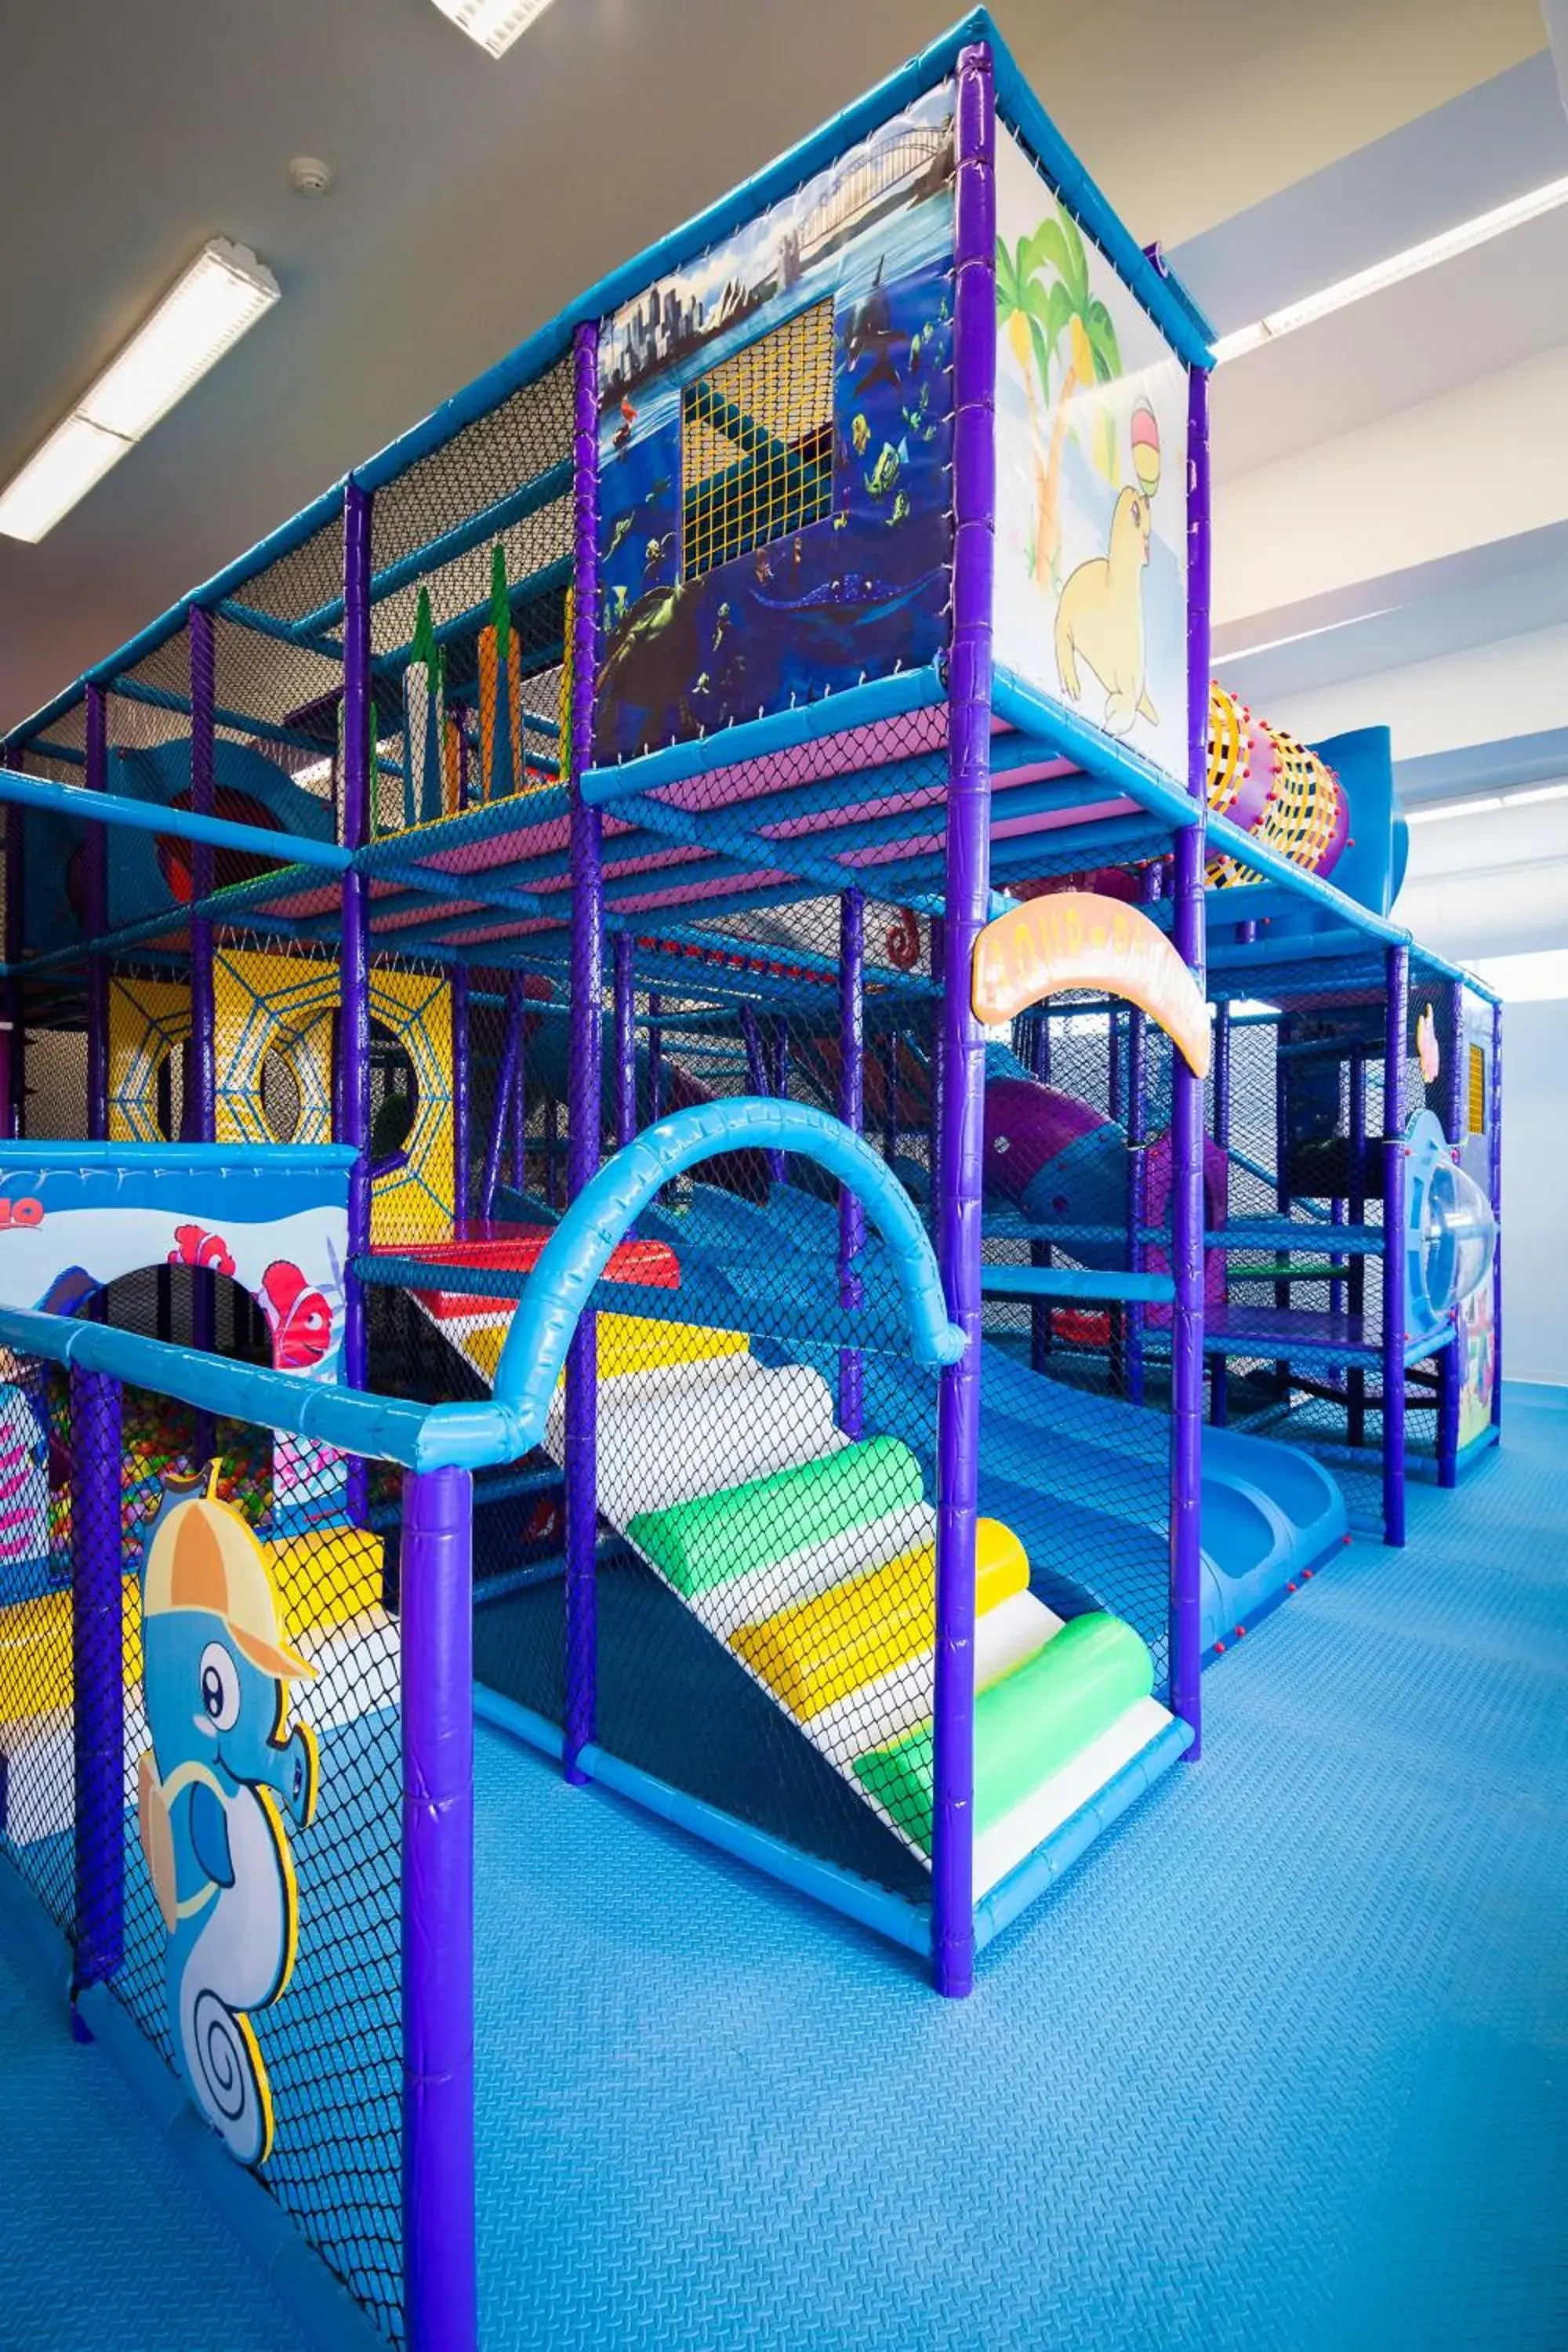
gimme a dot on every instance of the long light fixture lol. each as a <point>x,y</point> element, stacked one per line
<point>205,312</point>
<point>494,24</point>
<point>1399,265</point>
<point>1441,812</point>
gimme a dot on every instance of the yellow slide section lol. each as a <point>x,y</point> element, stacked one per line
<point>325,1577</point>
<point>820,1650</point>
<point>627,1343</point>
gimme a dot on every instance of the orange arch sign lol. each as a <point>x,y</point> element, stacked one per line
<point>1075,938</point>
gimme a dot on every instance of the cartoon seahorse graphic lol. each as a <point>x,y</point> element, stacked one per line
<point>212,1794</point>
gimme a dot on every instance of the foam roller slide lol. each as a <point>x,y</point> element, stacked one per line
<point>823,1648</point>
<point>1025,1727</point>
<point>667,1436</point>
<point>704,1542</point>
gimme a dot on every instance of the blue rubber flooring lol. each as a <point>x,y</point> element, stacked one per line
<point>106,2242</point>
<point>1283,2065</point>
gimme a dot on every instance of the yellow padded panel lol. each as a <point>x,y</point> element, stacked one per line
<point>821,1650</point>
<point>627,1343</point>
<point>325,1577</point>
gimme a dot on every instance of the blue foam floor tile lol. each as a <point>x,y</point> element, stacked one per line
<point>106,2242</point>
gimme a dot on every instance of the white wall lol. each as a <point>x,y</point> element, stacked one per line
<point>1535,1191</point>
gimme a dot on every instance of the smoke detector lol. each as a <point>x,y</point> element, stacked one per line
<point>308,176</point>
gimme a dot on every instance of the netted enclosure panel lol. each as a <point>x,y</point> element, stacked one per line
<point>200,1694</point>
<point>471,558</point>
<point>37,1770</point>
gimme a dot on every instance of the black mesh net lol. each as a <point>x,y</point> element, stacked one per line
<point>199,1696</point>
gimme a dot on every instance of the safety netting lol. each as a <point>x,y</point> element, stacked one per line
<point>199,1721</point>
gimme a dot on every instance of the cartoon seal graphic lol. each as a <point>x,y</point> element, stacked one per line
<point>1099,615</point>
<point>212,1793</point>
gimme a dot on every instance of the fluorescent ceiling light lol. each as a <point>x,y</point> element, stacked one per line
<point>1440,811</point>
<point>494,24</point>
<point>225,291</point>
<point>1533,978</point>
<point>1408,264</point>
<point>1444,810</point>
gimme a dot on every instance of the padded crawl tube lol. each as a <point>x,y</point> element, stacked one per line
<point>1025,1727</point>
<point>703,1543</point>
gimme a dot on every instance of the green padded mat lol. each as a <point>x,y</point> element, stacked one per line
<point>1025,1727</point>
<point>705,1542</point>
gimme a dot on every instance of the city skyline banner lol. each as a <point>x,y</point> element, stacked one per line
<point>774,440</point>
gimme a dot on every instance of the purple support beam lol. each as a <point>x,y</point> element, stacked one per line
<point>852,1111</point>
<point>1040,1252</point>
<point>1219,1383</point>
<point>508,1079</point>
<point>437,1620</point>
<point>201,1083</point>
<point>1451,1362</point>
<point>1187,1120</point>
<point>95,892</point>
<point>888,1049</point>
<point>1397,1012</point>
<point>1137,1196</point>
<point>933,1134</point>
<point>654,1057</point>
<point>626,1039</point>
<point>1356,1209</point>
<point>1494,1140</point>
<point>966,896</point>
<point>585,1109</point>
<point>13,1038</point>
<point>759,1074</point>
<point>98,1668</point>
<point>353,985</point>
<point>461,1097</point>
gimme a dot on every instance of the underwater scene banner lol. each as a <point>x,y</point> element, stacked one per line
<point>1091,474</point>
<point>775,440</point>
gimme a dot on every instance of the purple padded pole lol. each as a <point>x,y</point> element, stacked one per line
<point>95,879</point>
<point>1451,1362</point>
<point>654,1057</point>
<point>461,1043</point>
<point>1187,1120</point>
<point>13,1091</point>
<point>354,1017</point>
<point>1397,1010</point>
<point>966,898</point>
<point>98,1668</point>
<point>1219,1375</point>
<point>201,1088</point>
<point>933,1104</point>
<point>1494,1124</point>
<point>508,1077</point>
<point>1355,1280</point>
<point>585,1079</point>
<point>437,1623</point>
<point>1137,1198</point>
<point>852,1111</point>
<point>626,1039</point>
<point>759,1074</point>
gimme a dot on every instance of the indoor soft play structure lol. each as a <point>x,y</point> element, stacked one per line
<point>673,1079</point>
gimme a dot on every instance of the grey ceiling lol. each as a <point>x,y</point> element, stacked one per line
<point>474,199</point>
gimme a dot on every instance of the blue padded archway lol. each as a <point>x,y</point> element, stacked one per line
<point>580,1248</point>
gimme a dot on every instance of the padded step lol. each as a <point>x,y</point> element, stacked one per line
<point>1000,1849</point>
<point>817,1567</point>
<point>646,1343</point>
<point>825,1648</point>
<point>1006,1638</point>
<point>670,1436</point>
<point>1025,1727</point>
<point>705,1541</point>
